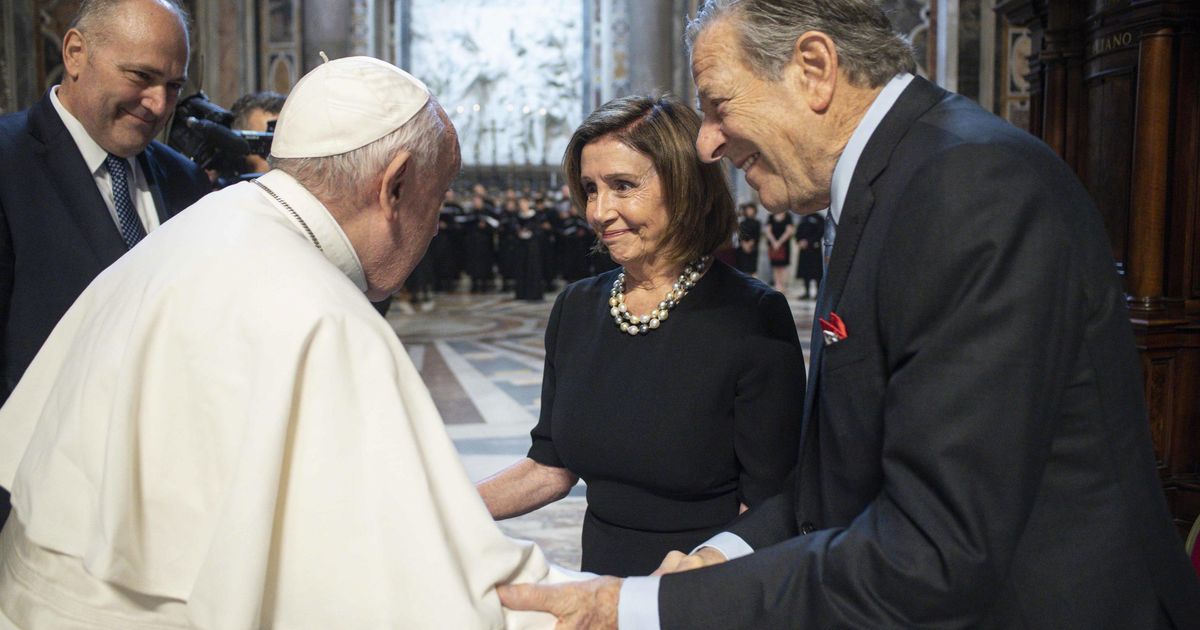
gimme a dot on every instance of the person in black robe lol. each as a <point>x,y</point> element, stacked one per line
<point>506,248</point>
<point>550,229</point>
<point>575,238</point>
<point>809,267</point>
<point>478,245</point>
<point>529,271</point>
<point>447,245</point>
<point>749,235</point>
<point>420,282</point>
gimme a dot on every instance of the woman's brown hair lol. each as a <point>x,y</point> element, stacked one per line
<point>701,215</point>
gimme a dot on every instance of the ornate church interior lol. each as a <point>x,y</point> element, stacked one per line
<point>1112,86</point>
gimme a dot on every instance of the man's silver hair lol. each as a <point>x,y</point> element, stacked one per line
<point>94,16</point>
<point>355,174</point>
<point>868,49</point>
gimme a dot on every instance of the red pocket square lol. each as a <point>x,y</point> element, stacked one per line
<point>833,329</point>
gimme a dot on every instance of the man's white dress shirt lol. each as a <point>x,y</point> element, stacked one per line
<point>93,156</point>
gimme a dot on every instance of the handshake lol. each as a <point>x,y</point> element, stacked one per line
<point>594,603</point>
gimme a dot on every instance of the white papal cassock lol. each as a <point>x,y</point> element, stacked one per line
<point>222,433</point>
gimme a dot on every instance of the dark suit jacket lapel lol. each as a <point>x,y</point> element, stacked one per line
<point>154,175</point>
<point>917,98</point>
<point>73,183</point>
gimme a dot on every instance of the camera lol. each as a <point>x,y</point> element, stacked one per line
<point>202,131</point>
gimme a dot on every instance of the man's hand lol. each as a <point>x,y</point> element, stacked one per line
<point>589,604</point>
<point>677,561</point>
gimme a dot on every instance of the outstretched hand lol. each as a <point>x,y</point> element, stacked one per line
<point>677,561</point>
<point>588,604</point>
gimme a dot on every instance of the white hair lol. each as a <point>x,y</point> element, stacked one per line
<point>356,173</point>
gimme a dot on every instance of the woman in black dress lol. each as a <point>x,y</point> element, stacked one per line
<point>480,253</point>
<point>779,247</point>
<point>809,266</point>
<point>507,257</point>
<point>749,235</point>
<point>575,239</point>
<point>673,386</point>
<point>529,248</point>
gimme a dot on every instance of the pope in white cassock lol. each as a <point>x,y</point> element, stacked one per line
<point>222,433</point>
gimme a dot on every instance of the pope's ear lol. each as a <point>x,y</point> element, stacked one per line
<point>396,177</point>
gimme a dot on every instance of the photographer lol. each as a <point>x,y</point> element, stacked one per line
<point>230,146</point>
<point>256,112</point>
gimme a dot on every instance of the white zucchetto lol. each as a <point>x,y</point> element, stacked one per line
<point>346,104</point>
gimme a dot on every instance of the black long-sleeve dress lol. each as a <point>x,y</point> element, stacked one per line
<point>810,229</point>
<point>447,247</point>
<point>528,270</point>
<point>749,231</point>
<point>479,249</point>
<point>575,239</point>
<point>674,429</point>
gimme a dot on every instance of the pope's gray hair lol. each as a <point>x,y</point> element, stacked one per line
<point>355,174</point>
<point>868,49</point>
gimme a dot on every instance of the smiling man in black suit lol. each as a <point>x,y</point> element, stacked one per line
<point>82,179</point>
<point>975,450</point>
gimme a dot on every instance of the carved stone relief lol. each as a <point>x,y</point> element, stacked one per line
<point>508,72</point>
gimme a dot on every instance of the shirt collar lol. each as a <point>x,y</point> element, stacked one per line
<point>848,161</point>
<point>334,242</point>
<point>93,153</point>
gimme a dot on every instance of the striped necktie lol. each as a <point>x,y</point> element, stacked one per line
<point>827,239</point>
<point>127,218</point>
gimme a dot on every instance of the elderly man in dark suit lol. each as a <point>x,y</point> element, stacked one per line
<point>82,179</point>
<point>975,451</point>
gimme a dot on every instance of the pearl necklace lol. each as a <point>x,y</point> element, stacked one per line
<point>635,325</point>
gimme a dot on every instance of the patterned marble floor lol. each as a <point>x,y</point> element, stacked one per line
<point>481,357</point>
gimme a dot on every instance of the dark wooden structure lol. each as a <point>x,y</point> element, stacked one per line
<point>1116,92</point>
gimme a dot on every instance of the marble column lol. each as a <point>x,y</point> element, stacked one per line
<point>8,57</point>
<point>652,37</point>
<point>223,61</point>
<point>18,75</point>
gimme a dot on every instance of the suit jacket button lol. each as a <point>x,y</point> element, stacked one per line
<point>807,528</point>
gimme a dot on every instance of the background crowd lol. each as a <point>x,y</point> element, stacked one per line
<point>524,243</point>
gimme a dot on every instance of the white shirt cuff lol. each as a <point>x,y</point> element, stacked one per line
<point>729,544</point>
<point>637,608</point>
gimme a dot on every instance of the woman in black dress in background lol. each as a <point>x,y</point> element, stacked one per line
<point>779,247</point>
<point>528,250</point>
<point>673,386</point>
<point>749,235</point>
<point>575,239</point>
<point>809,266</point>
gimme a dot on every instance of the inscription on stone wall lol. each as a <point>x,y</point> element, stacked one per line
<point>1111,42</point>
